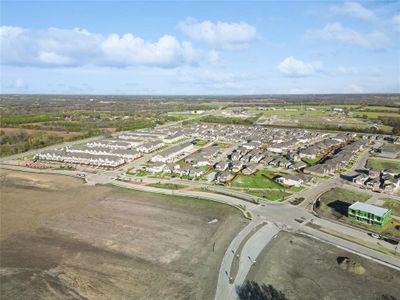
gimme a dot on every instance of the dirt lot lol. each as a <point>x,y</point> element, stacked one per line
<point>62,239</point>
<point>304,268</point>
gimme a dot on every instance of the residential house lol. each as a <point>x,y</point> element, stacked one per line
<point>221,166</point>
<point>173,152</point>
<point>224,177</point>
<point>289,180</point>
<point>150,146</point>
<point>369,214</point>
<point>156,167</point>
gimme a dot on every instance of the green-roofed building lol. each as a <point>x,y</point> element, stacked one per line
<point>369,214</point>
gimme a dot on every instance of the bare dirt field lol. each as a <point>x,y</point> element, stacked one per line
<point>62,239</point>
<point>304,268</point>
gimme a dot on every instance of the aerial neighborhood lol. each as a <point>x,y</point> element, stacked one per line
<point>340,187</point>
<point>213,150</point>
<point>220,153</point>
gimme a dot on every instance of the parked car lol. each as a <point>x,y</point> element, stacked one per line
<point>375,235</point>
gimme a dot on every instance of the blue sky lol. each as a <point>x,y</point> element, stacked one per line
<point>187,47</point>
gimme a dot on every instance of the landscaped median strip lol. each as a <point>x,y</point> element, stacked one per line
<point>235,263</point>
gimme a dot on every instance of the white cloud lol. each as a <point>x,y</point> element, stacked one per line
<point>336,32</point>
<point>214,58</point>
<point>347,70</point>
<point>131,50</point>
<point>354,9</point>
<point>70,47</point>
<point>396,22</point>
<point>292,67</point>
<point>219,34</point>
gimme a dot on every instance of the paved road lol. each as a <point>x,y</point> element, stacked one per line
<point>246,206</point>
<point>247,257</point>
<point>284,215</point>
<point>224,288</point>
<point>193,184</point>
<point>279,216</point>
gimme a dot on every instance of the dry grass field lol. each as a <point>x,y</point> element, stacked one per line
<point>62,239</point>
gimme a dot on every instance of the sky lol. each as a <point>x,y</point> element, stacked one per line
<point>199,48</point>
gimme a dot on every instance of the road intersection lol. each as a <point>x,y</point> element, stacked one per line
<point>267,219</point>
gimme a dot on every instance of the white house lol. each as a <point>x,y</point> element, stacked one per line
<point>290,180</point>
<point>150,146</point>
<point>156,167</point>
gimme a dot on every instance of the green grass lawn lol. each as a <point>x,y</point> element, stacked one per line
<point>313,161</point>
<point>270,195</point>
<point>297,189</point>
<point>393,147</point>
<point>392,204</point>
<point>139,173</point>
<point>261,179</point>
<point>375,115</point>
<point>380,164</point>
<point>202,142</point>
<point>345,195</point>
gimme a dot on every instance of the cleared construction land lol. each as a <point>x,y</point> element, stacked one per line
<point>304,268</point>
<point>62,239</point>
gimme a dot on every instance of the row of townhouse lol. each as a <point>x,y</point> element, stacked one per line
<point>81,158</point>
<point>173,138</point>
<point>338,161</point>
<point>175,169</point>
<point>203,157</point>
<point>172,153</point>
<point>284,146</point>
<point>283,160</point>
<point>148,135</point>
<point>110,144</point>
<point>193,163</point>
<point>240,134</point>
<point>150,146</point>
<point>236,167</point>
<point>315,150</point>
<point>133,140</point>
<point>126,154</point>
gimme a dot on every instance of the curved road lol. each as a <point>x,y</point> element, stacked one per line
<point>279,216</point>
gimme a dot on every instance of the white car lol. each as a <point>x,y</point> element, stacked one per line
<point>375,235</point>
